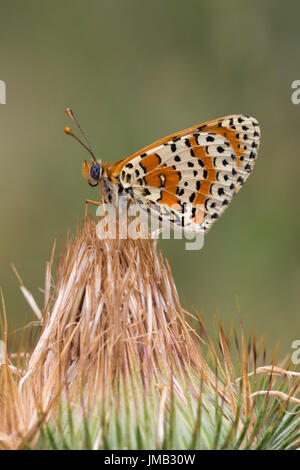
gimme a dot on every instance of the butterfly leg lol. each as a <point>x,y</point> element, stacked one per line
<point>155,233</point>
<point>89,201</point>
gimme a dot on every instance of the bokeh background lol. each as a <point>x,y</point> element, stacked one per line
<point>135,71</point>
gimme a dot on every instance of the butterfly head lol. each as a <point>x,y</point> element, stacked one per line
<point>92,172</point>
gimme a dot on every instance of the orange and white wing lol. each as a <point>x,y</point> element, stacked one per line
<point>191,176</point>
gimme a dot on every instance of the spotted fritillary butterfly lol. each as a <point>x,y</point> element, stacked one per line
<point>189,177</point>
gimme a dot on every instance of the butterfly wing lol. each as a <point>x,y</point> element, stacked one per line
<point>190,177</point>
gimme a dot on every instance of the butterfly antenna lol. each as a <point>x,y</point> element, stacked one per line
<point>69,132</point>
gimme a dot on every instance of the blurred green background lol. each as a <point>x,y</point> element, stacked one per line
<point>135,71</point>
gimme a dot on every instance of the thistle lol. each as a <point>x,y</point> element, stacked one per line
<point>115,362</point>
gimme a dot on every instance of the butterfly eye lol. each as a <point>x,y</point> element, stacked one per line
<point>95,171</point>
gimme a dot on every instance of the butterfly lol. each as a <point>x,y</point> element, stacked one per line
<point>187,178</point>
